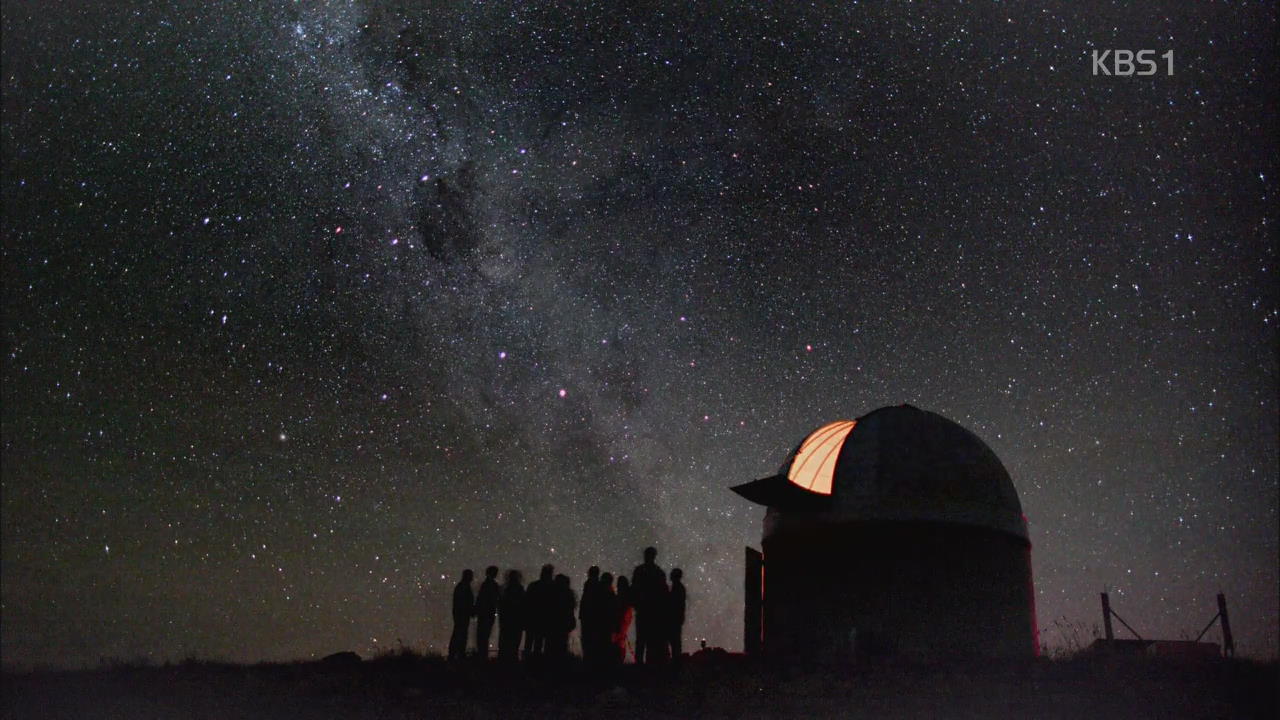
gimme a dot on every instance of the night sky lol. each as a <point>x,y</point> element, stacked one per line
<point>308,306</point>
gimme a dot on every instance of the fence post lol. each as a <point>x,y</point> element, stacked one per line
<point>1228,643</point>
<point>1106,617</point>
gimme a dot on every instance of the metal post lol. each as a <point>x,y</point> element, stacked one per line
<point>1206,627</point>
<point>1228,643</point>
<point>1126,625</point>
<point>1106,617</point>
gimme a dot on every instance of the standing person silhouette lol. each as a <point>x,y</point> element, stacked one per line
<point>464,606</point>
<point>648,590</point>
<point>563,603</point>
<point>511,617</point>
<point>588,614</point>
<point>537,602</point>
<point>675,614</point>
<point>486,610</point>
<point>606,611</point>
<point>622,621</point>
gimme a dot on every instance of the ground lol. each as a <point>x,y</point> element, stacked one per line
<point>410,686</point>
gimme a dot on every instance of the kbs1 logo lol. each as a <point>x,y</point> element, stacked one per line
<point>1124,63</point>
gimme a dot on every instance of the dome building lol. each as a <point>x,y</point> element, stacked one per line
<point>896,534</point>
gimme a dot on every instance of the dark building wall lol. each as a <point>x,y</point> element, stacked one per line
<point>924,590</point>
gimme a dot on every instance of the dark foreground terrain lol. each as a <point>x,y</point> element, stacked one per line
<point>410,686</point>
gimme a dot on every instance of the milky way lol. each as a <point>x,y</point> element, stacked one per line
<point>309,307</point>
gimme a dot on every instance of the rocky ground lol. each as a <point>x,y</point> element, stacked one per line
<point>410,686</point>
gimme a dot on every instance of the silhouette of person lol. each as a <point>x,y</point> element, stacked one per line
<point>511,620</point>
<point>588,611</point>
<point>561,620</point>
<point>675,614</point>
<point>648,590</point>
<point>659,640</point>
<point>464,606</point>
<point>486,610</point>
<point>603,649</point>
<point>538,598</point>
<point>622,619</point>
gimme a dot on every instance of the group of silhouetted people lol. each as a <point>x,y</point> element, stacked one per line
<point>542,615</point>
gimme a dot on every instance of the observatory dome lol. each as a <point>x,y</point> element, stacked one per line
<point>893,464</point>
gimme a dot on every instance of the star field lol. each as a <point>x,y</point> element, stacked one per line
<point>309,306</point>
